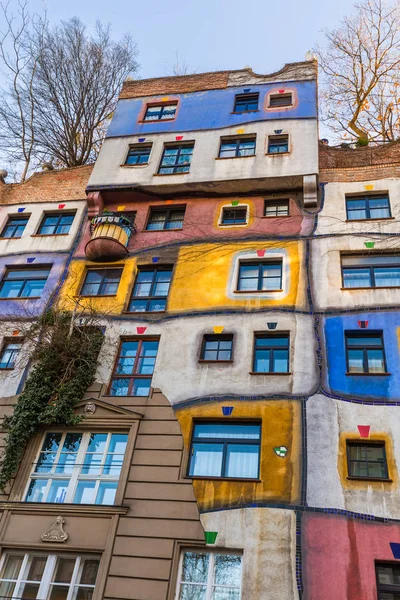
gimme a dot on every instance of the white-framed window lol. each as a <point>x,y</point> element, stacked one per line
<point>77,467</point>
<point>47,576</point>
<point>207,575</point>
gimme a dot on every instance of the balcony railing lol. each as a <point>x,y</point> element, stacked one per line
<point>110,234</point>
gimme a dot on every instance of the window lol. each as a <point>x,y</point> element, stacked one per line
<point>371,270</point>
<point>82,468</point>
<point>237,147</point>
<point>47,577</point>
<point>271,353</point>
<point>160,112</point>
<point>151,289</point>
<point>222,450</point>
<point>246,103</point>
<point>368,207</point>
<point>9,354</point>
<point>366,461</point>
<point>260,276</point>
<point>101,282</point>
<point>388,581</point>
<point>217,348</point>
<point>24,282</point>
<point>134,367</point>
<point>279,100</point>
<point>165,218</point>
<point>176,159</point>
<point>278,144</point>
<point>234,216</point>
<point>206,575</point>
<point>280,208</point>
<point>56,224</point>
<point>138,154</point>
<point>14,227</point>
<point>365,352</point>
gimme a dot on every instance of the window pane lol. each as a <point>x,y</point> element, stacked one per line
<point>119,387</point>
<point>36,490</point>
<point>206,460</point>
<point>242,461</point>
<point>387,276</point>
<point>262,361</point>
<point>58,491</point>
<point>84,492</point>
<point>222,431</point>
<point>11,289</point>
<point>89,571</point>
<point>106,493</point>
<point>356,361</point>
<point>389,575</point>
<point>376,363</point>
<point>195,567</point>
<point>281,361</point>
<point>225,594</point>
<point>353,278</point>
<point>29,591</point>
<point>11,566</point>
<point>192,592</point>
<point>228,569</point>
<point>64,570</point>
<point>141,387</point>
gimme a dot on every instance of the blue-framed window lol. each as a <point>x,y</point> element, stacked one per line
<point>246,103</point>
<point>56,223</point>
<point>24,282</point>
<point>15,226</point>
<point>280,100</point>
<point>225,450</point>
<point>218,348</point>
<point>134,367</point>
<point>278,144</point>
<point>138,154</point>
<point>271,353</point>
<point>160,112</point>
<point>151,289</point>
<point>365,352</point>
<point>176,158</point>
<point>368,207</point>
<point>101,282</point>
<point>234,216</point>
<point>237,147</point>
<point>260,276</point>
<point>9,354</point>
<point>371,270</point>
<point>165,219</point>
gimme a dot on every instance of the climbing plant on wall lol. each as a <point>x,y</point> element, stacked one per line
<point>64,359</point>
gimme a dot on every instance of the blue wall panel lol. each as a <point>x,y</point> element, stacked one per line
<point>212,109</point>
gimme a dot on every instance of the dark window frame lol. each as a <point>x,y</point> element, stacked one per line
<point>260,264</point>
<point>385,587</point>
<point>277,95</point>
<point>58,215</point>
<point>238,141</point>
<point>246,99</point>
<point>162,106</point>
<point>234,209</point>
<point>269,335</point>
<point>24,268</point>
<point>150,298</point>
<point>168,210</point>
<point>7,341</point>
<point>102,283</point>
<point>275,138</point>
<point>364,444</point>
<point>366,198</point>
<point>216,337</point>
<point>176,165</point>
<point>11,219</point>
<point>133,375</point>
<point>225,442</point>
<point>358,334</point>
<point>285,201</point>
<point>370,267</point>
<point>138,150</point>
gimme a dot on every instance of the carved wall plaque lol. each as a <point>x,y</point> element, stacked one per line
<point>56,532</point>
<point>90,408</point>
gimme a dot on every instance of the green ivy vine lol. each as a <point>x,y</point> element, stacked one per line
<point>64,364</point>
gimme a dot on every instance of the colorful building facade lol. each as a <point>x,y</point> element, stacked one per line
<point>240,439</point>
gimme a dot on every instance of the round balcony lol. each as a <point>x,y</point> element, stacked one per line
<point>110,233</point>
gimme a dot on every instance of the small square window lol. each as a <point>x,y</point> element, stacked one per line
<point>134,367</point>
<point>225,450</point>
<point>56,223</point>
<point>217,348</point>
<point>278,144</point>
<point>367,460</point>
<point>246,103</point>
<point>204,574</point>
<point>271,353</point>
<point>368,207</point>
<point>280,100</point>
<point>15,226</point>
<point>234,216</point>
<point>278,208</point>
<point>365,352</point>
<point>388,580</point>
<point>176,159</point>
<point>138,154</point>
<point>101,282</point>
<point>9,354</point>
<point>160,112</point>
<point>165,219</point>
<point>237,147</point>
<point>25,282</point>
<point>263,276</point>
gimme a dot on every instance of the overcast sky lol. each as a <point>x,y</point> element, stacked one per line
<point>209,35</point>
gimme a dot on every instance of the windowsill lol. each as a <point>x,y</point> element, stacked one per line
<point>368,374</point>
<point>277,153</point>
<point>7,369</point>
<point>241,479</point>
<point>23,298</point>
<point>234,157</point>
<point>287,106</point>
<point>169,174</point>
<point>93,509</point>
<point>379,479</point>
<point>213,362</point>
<point>143,312</point>
<point>268,374</point>
<point>232,224</point>
<point>277,216</point>
<point>160,230</point>
<point>15,237</point>
<point>156,120</point>
<point>390,287</point>
<point>35,235</point>
<point>244,112</point>
<point>368,220</point>
<point>96,296</point>
<point>135,166</point>
<point>255,291</point>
